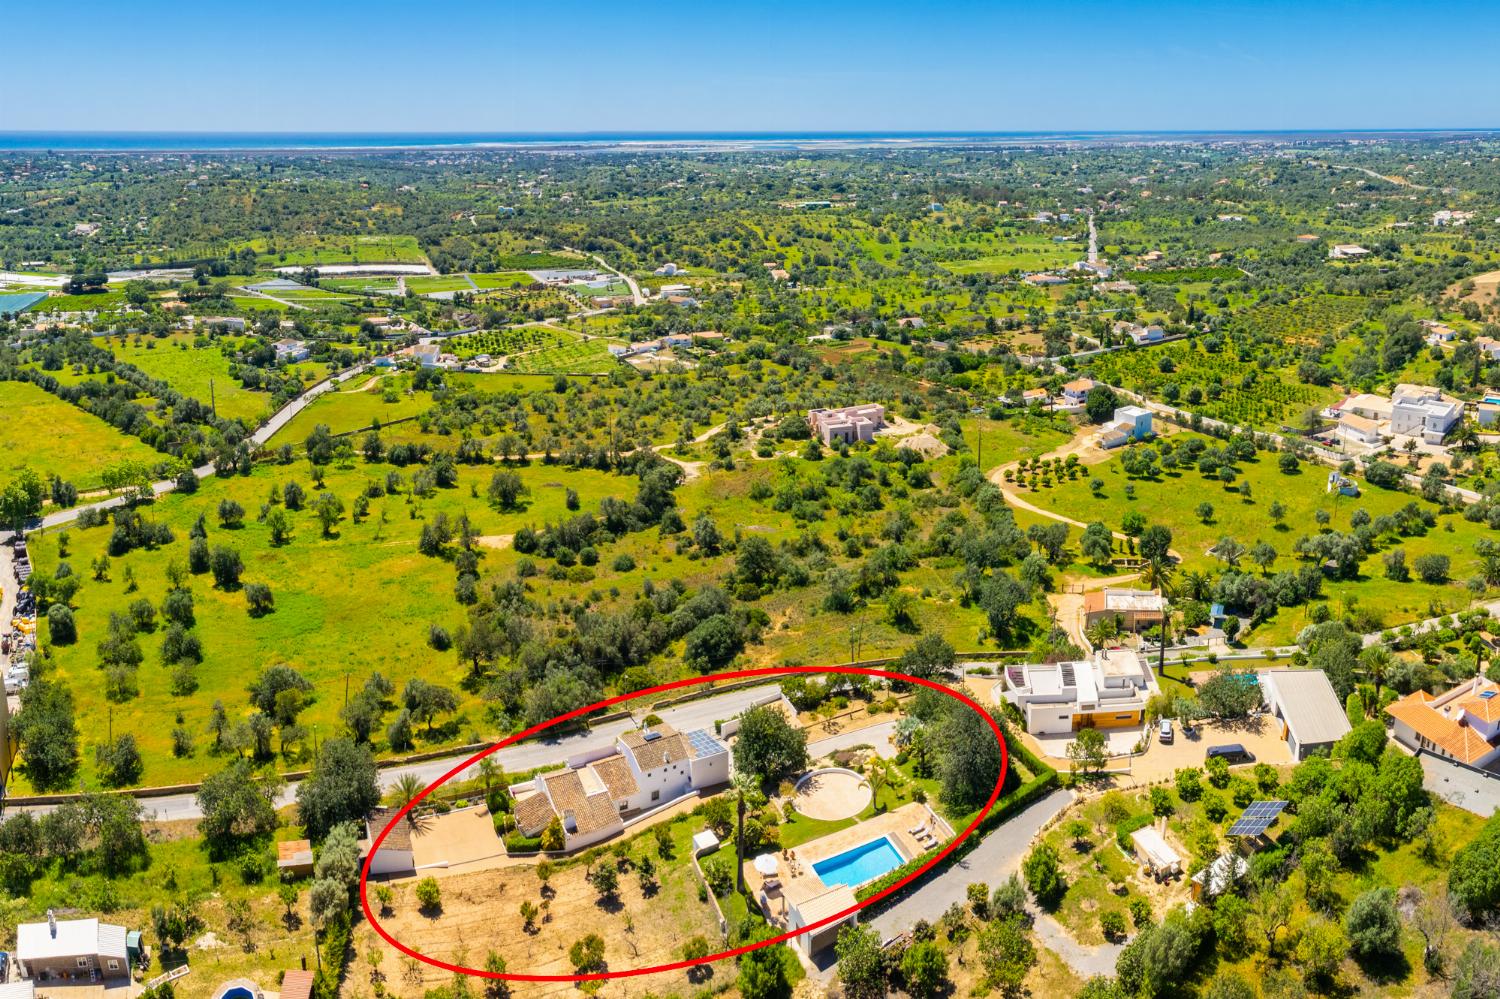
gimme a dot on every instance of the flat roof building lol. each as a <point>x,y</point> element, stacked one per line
<point>1107,690</point>
<point>850,424</point>
<point>1134,609</point>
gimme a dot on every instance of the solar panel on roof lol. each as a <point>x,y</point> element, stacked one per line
<point>703,744</point>
<point>1257,818</point>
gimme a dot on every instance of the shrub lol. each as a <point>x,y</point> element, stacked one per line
<point>429,894</point>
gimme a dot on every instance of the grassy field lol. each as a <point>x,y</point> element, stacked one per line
<point>1173,498</point>
<point>346,605</point>
<point>355,408</point>
<point>200,372</point>
<point>306,248</point>
<point>512,340</point>
<point>49,436</point>
<point>502,279</point>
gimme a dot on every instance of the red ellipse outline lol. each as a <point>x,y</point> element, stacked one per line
<point>364,874</point>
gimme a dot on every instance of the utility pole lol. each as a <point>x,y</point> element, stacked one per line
<point>212,403</point>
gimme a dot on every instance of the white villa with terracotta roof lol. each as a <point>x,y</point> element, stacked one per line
<point>601,790</point>
<point>1462,724</point>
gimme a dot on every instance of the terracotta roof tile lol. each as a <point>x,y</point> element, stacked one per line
<point>533,813</point>
<point>614,773</point>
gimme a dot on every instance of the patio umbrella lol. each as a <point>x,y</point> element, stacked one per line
<point>766,864</point>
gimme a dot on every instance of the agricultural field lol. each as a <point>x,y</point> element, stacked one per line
<point>51,437</point>
<point>305,249</point>
<point>501,279</point>
<point>514,340</point>
<point>442,282</point>
<point>1305,320</point>
<point>582,357</point>
<point>1220,386</point>
<point>358,404</point>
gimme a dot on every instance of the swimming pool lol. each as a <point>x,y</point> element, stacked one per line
<point>863,863</point>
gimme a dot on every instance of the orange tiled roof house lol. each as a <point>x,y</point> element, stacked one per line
<point>1462,724</point>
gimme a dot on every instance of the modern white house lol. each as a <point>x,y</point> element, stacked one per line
<point>1108,690</point>
<point>290,351</point>
<point>1130,423</point>
<point>1423,411</point>
<point>1312,718</point>
<point>600,789</point>
<point>850,424</point>
<point>1462,724</point>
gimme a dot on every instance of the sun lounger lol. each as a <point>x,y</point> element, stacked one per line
<point>918,829</point>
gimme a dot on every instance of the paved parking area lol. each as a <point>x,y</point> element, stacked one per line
<point>1261,735</point>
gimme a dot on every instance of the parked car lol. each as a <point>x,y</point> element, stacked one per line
<point>1165,733</point>
<point>1233,752</point>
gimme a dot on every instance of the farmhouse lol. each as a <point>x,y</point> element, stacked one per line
<point>1371,407</point>
<point>1358,430</point>
<point>850,424</point>
<point>1140,335</point>
<point>911,322</point>
<point>1438,332</point>
<point>1488,346</point>
<point>1421,411</point>
<point>1133,609</point>
<point>602,788</point>
<point>1462,724</point>
<point>395,853</point>
<point>1312,719</point>
<point>1347,251</point>
<point>1042,280</point>
<point>79,950</point>
<point>1108,690</point>
<point>667,270</point>
<point>1034,396</point>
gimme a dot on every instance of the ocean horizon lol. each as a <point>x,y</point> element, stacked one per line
<point>198,141</point>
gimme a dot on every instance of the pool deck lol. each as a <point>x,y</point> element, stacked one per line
<point>798,882</point>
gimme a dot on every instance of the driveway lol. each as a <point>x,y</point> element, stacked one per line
<point>992,861</point>
<point>878,736</point>
<point>1471,791</point>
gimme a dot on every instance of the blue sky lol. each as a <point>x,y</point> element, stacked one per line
<point>445,65</point>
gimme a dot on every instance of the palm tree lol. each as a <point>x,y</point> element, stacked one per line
<point>877,778</point>
<point>488,771</point>
<point>1376,661</point>
<point>1158,575</point>
<point>1465,437</point>
<point>742,785</point>
<point>406,787</point>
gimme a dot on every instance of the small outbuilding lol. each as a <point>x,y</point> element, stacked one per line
<point>1153,850</point>
<point>1312,717</point>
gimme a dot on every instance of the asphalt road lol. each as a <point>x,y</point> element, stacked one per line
<point>526,756</point>
<point>992,861</point>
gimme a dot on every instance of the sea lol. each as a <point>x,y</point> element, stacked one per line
<point>58,141</point>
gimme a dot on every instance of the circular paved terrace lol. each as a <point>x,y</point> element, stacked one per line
<point>833,793</point>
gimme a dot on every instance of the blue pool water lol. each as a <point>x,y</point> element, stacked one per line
<point>238,992</point>
<point>865,862</point>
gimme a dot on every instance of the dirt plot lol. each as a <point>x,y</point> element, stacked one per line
<point>481,912</point>
<point>1486,286</point>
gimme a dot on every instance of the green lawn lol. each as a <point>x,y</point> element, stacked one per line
<point>41,432</point>
<point>352,604</point>
<point>441,282</point>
